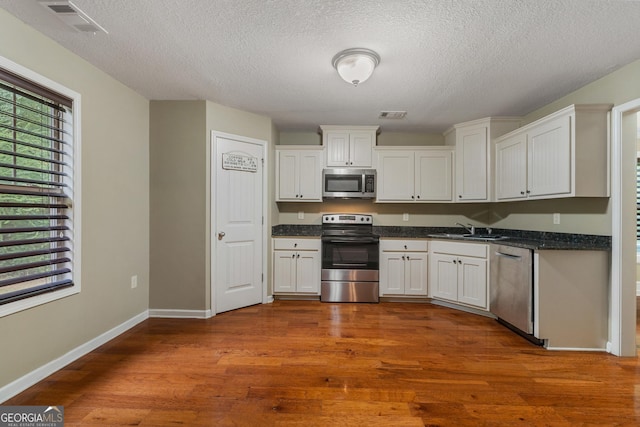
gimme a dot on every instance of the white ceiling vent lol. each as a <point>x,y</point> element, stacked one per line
<point>71,15</point>
<point>393,115</point>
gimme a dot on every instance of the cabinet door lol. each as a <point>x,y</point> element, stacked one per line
<point>392,273</point>
<point>443,276</point>
<point>360,149</point>
<point>288,164</point>
<point>472,281</point>
<point>415,273</point>
<point>434,175</point>
<point>549,158</point>
<point>511,168</point>
<point>310,175</point>
<point>338,149</point>
<point>284,271</point>
<point>395,176</point>
<point>308,271</point>
<point>472,178</point>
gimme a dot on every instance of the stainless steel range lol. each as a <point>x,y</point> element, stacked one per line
<point>350,259</point>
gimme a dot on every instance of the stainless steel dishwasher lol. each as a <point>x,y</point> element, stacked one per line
<point>511,296</point>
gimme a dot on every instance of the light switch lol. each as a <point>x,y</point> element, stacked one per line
<point>300,214</point>
<point>405,217</point>
<point>556,218</point>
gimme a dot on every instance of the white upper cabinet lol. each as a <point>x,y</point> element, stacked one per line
<point>299,174</point>
<point>349,146</point>
<point>474,163</point>
<point>407,174</point>
<point>564,154</point>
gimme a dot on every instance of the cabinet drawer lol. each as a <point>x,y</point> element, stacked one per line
<point>477,250</point>
<point>300,243</point>
<point>412,245</point>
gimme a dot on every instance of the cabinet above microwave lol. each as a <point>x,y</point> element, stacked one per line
<point>349,146</point>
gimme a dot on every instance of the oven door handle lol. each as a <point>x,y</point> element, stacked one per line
<point>355,240</point>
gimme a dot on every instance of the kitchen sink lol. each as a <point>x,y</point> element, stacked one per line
<point>484,237</point>
<point>470,236</point>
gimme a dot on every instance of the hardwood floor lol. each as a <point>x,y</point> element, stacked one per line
<point>303,363</point>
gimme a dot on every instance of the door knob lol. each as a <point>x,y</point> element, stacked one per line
<point>221,235</point>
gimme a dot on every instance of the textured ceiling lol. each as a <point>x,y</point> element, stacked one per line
<point>442,61</point>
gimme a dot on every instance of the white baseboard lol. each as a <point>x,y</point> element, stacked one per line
<point>180,314</point>
<point>44,371</point>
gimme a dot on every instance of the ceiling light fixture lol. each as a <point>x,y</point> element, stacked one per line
<point>355,65</point>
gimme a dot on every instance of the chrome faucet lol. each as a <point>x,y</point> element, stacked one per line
<point>471,229</point>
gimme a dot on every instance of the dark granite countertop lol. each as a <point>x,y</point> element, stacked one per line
<point>537,240</point>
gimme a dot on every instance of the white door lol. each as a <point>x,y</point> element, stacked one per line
<point>471,164</point>
<point>237,229</point>
<point>434,175</point>
<point>472,283</point>
<point>360,149</point>
<point>395,176</point>
<point>416,274</point>
<point>549,158</point>
<point>511,168</point>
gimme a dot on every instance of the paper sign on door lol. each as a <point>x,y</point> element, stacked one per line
<point>239,162</point>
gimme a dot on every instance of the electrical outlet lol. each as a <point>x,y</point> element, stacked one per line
<point>300,214</point>
<point>405,217</point>
<point>134,282</point>
<point>556,218</point>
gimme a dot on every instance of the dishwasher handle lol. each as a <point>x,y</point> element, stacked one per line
<point>509,256</point>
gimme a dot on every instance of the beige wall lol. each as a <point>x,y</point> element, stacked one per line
<point>178,140</point>
<point>115,209</point>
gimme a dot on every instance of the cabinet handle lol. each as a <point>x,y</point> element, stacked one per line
<point>418,196</point>
<point>346,163</point>
<point>413,197</point>
<point>459,196</point>
<point>408,258</point>
<point>298,256</point>
<point>522,192</point>
<point>405,246</point>
<point>295,245</point>
<point>455,262</point>
<point>403,257</point>
<point>301,196</point>
<point>293,256</point>
<point>528,191</point>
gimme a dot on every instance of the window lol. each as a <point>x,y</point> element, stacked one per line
<point>39,209</point>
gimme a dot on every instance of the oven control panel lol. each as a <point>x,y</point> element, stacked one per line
<point>347,219</point>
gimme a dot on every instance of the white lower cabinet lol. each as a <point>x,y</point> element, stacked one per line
<point>458,273</point>
<point>403,267</point>
<point>296,265</point>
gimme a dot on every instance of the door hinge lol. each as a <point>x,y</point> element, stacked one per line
<point>262,278</point>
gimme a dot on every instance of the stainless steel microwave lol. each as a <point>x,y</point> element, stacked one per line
<point>349,183</point>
